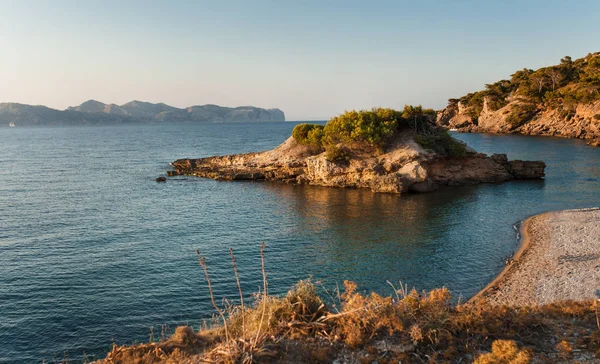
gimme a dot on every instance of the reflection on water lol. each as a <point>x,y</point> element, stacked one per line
<point>357,216</point>
<point>422,239</point>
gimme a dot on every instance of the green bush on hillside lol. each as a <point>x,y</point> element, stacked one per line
<point>567,113</point>
<point>496,93</point>
<point>521,114</point>
<point>474,103</point>
<point>497,103</point>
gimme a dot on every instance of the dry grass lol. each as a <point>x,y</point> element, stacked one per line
<point>505,352</point>
<point>182,345</point>
<point>410,327</point>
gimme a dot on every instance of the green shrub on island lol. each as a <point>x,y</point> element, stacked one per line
<point>371,127</point>
<point>308,134</point>
<point>315,135</point>
<point>442,143</point>
<point>419,119</point>
<point>336,154</point>
<point>373,130</point>
<point>597,116</point>
<point>365,128</point>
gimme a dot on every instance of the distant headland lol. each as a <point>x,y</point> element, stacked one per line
<point>93,112</point>
<point>561,100</point>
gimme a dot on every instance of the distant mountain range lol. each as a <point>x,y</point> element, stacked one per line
<point>93,112</point>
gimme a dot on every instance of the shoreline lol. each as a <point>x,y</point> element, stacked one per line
<point>544,239</point>
<point>523,246</point>
<point>509,324</point>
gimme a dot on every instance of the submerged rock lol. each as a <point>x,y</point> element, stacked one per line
<point>403,166</point>
<point>526,169</point>
<point>594,143</point>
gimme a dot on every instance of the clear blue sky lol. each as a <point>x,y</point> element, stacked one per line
<point>312,59</point>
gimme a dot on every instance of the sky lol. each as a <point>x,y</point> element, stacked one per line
<point>312,59</point>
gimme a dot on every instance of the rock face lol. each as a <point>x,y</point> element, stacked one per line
<point>404,166</point>
<point>562,100</point>
<point>583,124</point>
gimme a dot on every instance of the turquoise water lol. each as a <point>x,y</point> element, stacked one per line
<point>94,251</point>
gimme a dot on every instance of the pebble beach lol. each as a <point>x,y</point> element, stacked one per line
<point>559,259</point>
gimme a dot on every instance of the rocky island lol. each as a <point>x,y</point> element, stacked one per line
<point>381,149</point>
<point>561,100</point>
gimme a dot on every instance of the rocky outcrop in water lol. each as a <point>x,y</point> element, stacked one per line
<point>404,166</point>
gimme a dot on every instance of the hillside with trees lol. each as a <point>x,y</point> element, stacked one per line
<point>561,100</point>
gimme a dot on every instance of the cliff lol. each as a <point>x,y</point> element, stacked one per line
<point>410,161</point>
<point>97,113</point>
<point>561,100</point>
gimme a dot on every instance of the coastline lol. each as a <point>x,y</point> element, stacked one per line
<point>547,333</point>
<point>537,266</point>
<point>523,246</point>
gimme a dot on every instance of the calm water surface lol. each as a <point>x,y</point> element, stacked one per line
<point>94,251</point>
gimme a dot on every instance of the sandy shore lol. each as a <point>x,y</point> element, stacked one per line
<point>559,259</point>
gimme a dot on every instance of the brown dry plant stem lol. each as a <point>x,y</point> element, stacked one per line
<point>237,279</point>
<point>264,296</point>
<point>597,318</point>
<point>415,328</point>
<point>212,296</point>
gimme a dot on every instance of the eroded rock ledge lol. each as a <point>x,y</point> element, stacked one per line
<point>404,166</point>
<point>583,124</point>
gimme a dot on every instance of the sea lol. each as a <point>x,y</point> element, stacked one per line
<point>95,252</point>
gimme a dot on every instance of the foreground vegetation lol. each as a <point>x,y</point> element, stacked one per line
<point>373,130</point>
<point>350,326</point>
<point>562,86</point>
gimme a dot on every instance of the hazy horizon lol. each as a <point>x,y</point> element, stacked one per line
<point>308,59</point>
